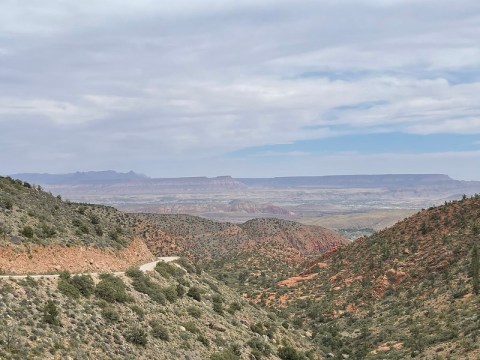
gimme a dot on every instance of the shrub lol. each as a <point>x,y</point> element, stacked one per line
<point>68,289</point>
<point>159,331</point>
<point>51,315</point>
<point>224,355</point>
<point>84,284</point>
<point>191,327</point>
<point>290,353</point>
<point>170,293</point>
<point>180,291</point>
<point>167,270</point>
<point>259,345</point>
<point>195,293</point>
<point>218,308</point>
<point>27,231</point>
<point>233,307</point>
<point>8,204</point>
<point>204,340</point>
<point>183,262</point>
<point>195,312</point>
<point>134,273</point>
<point>110,314</point>
<point>111,289</point>
<point>143,284</point>
<point>136,336</point>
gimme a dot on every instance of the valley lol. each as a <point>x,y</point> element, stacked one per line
<point>264,288</point>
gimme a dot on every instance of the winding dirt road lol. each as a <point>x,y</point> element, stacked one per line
<point>145,267</point>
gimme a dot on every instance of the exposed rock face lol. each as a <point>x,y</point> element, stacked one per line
<point>37,259</point>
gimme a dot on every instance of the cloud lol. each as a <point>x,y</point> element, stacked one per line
<point>108,83</point>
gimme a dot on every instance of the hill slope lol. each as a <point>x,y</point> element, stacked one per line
<point>249,257</point>
<point>41,233</point>
<point>404,291</point>
<point>166,314</point>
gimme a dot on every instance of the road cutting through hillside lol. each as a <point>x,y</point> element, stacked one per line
<point>145,267</point>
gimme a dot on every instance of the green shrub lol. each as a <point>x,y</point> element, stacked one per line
<point>68,289</point>
<point>233,307</point>
<point>111,289</point>
<point>27,231</point>
<point>180,291</point>
<point>183,262</point>
<point>110,314</point>
<point>134,273</point>
<point>136,336</point>
<point>143,284</point>
<point>204,340</point>
<point>170,293</point>
<point>195,293</point>
<point>167,270</point>
<point>259,345</point>
<point>195,312</point>
<point>290,353</point>
<point>51,315</point>
<point>218,308</point>
<point>224,355</point>
<point>159,331</point>
<point>191,327</point>
<point>84,284</point>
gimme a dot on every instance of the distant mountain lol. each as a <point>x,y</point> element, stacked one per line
<point>353,181</point>
<point>89,177</point>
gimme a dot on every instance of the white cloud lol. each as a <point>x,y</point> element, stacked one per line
<point>152,80</point>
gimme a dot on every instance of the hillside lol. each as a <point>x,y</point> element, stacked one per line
<point>405,291</point>
<point>170,313</point>
<point>204,240</point>
<point>250,257</point>
<point>42,233</point>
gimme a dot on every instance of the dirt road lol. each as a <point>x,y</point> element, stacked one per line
<point>145,267</point>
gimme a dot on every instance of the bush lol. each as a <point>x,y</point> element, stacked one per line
<point>27,231</point>
<point>136,336</point>
<point>195,312</point>
<point>259,345</point>
<point>68,289</point>
<point>143,284</point>
<point>51,315</point>
<point>111,289</point>
<point>110,314</point>
<point>159,331</point>
<point>134,273</point>
<point>233,307</point>
<point>195,293</point>
<point>186,265</point>
<point>191,327</point>
<point>224,355</point>
<point>290,353</point>
<point>84,284</point>
<point>170,293</point>
<point>167,270</point>
<point>218,308</point>
<point>204,340</point>
<point>180,291</point>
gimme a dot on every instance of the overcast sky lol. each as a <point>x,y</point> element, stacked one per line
<point>244,88</point>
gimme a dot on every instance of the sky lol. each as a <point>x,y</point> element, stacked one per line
<point>243,88</point>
